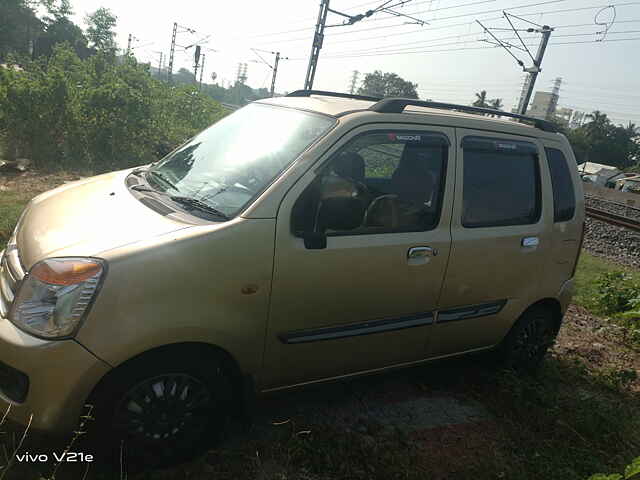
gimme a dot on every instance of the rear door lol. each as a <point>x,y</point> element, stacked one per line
<point>568,213</point>
<point>499,239</point>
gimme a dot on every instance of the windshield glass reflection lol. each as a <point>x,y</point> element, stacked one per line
<point>235,159</point>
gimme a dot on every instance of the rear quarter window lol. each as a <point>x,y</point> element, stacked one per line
<point>564,198</point>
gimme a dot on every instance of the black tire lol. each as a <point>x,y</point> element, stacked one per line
<point>527,343</point>
<point>159,410</point>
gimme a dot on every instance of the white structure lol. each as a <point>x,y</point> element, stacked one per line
<point>599,174</point>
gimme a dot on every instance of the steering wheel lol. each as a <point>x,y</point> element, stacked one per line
<point>389,199</point>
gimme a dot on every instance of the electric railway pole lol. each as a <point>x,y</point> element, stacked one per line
<point>201,72</point>
<point>275,72</point>
<point>318,36</point>
<point>535,69</point>
<point>172,52</point>
<point>354,81</point>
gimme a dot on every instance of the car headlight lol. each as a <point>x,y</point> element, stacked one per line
<point>55,296</point>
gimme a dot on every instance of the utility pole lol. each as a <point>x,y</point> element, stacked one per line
<point>129,44</point>
<point>172,52</point>
<point>318,38</point>
<point>196,62</point>
<point>354,81</point>
<point>535,69</point>
<point>201,72</point>
<point>274,67</point>
<point>160,63</point>
<point>275,72</point>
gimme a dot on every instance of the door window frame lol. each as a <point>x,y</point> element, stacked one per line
<point>507,138</point>
<point>448,161</point>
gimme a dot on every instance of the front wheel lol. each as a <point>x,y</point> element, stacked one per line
<point>160,410</point>
<point>528,341</point>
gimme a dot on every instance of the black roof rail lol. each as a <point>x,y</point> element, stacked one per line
<point>397,105</point>
<point>308,93</point>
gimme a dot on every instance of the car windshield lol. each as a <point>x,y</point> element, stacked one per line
<point>234,160</point>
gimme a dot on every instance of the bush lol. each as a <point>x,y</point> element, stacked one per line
<point>98,114</point>
<point>616,292</point>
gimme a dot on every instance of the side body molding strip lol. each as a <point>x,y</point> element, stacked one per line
<point>367,328</point>
<point>471,311</point>
<point>391,324</point>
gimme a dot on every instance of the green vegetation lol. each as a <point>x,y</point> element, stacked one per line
<point>387,84</point>
<point>97,114</point>
<point>631,472</point>
<point>603,142</point>
<point>590,270</point>
<point>11,205</point>
<point>607,289</point>
<point>74,104</point>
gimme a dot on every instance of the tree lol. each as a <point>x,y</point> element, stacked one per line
<point>601,141</point>
<point>481,100</point>
<point>61,30</point>
<point>100,32</point>
<point>19,27</point>
<point>496,104</point>
<point>380,84</point>
<point>57,9</point>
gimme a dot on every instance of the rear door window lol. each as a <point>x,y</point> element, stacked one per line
<point>564,199</point>
<point>501,182</point>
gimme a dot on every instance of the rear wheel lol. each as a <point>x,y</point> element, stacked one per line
<point>528,341</point>
<point>160,410</point>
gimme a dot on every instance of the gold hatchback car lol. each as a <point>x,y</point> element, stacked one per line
<point>301,239</point>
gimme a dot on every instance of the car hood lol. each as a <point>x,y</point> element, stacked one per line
<point>86,218</point>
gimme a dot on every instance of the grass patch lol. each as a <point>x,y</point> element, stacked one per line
<point>590,268</point>
<point>11,206</point>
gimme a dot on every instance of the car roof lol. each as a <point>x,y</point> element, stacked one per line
<point>341,107</point>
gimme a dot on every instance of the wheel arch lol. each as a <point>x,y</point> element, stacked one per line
<point>551,304</point>
<point>242,384</point>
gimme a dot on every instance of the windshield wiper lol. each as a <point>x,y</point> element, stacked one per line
<point>196,204</point>
<point>163,179</point>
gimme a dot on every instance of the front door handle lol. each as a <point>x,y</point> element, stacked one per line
<point>421,252</point>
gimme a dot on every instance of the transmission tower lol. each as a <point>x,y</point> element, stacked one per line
<point>354,81</point>
<point>555,96</point>
<point>241,76</point>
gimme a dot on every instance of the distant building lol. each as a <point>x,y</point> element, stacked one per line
<point>564,115</point>
<point>577,120</point>
<point>543,106</point>
<point>603,175</point>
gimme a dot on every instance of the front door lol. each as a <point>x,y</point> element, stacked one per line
<point>501,239</point>
<point>365,299</point>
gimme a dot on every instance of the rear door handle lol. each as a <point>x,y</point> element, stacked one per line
<point>421,252</point>
<point>530,242</point>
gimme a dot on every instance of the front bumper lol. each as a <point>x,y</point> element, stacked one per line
<point>61,375</point>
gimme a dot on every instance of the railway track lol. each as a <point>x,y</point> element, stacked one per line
<point>613,218</point>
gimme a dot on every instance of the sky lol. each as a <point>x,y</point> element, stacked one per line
<point>593,48</point>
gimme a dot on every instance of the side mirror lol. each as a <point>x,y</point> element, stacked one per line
<point>337,213</point>
<point>340,213</point>
<point>315,240</point>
